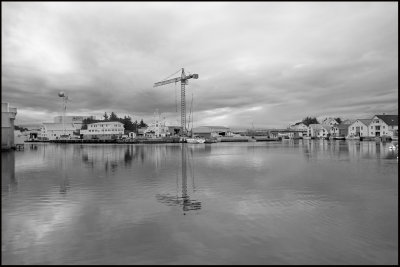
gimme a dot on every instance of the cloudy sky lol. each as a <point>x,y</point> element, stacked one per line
<point>267,64</point>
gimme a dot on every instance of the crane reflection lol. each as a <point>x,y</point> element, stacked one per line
<point>184,200</point>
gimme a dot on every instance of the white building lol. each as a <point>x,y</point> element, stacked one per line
<point>103,130</point>
<point>157,127</point>
<point>386,125</point>
<point>359,128</point>
<point>53,131</point>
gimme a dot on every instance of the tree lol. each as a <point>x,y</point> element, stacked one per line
<point>142,124</point>
<point>113,117</point>
<point>128,124</point>
<point>105,116</point>
<point>87,121</point>
<point>22,129</point>
<point>309,120</point>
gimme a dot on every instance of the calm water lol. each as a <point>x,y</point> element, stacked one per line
<point>290,202</point>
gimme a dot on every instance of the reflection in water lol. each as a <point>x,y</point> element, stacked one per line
<point>8,181</point>
<point>64,181</point>
<point>346,150</point>
<point>184,201</point>
<point>289,202</point>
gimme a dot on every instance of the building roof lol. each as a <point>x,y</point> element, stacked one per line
<point>364,121</point>
<point>208,129</point>
<point>315,125</point>
<point>328,120</point>
<point>59,126</point>
<point>318,126</point>
<point>326,127</point>
<point>389,119</point>
<point>105,122</point>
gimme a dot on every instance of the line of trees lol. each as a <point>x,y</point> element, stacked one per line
<point>313,120</point>
<point>126,121</point>
<point>310,120</point>
<point>22,129</point>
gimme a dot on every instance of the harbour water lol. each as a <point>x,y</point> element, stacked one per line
<point>287,202</point>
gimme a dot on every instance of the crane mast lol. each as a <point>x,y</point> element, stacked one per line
<point>184,81</point>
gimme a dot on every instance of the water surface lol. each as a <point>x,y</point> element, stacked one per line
<point>289,202</point>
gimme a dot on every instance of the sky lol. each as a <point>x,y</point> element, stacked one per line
<point>261,64</point>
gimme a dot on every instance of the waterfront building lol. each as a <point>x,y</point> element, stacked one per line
<point>319,130</point>
<point>340,130</point>
<point>211,131</point>
<point>157,127</point>
<point>103,130</point>
<point>384,125</point>
<point>53,131</point>
<point>8,115</point>
<point>359,128</point>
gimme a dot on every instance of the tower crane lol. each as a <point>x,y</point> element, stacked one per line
<point>184,81</point>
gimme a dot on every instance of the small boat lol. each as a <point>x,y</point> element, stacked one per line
<point>195,140</point>
<point>339,138</point>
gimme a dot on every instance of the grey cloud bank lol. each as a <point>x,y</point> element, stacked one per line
<point>264,63</point>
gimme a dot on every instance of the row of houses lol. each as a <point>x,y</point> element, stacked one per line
<point>377,126</point>
<point>70,127</point>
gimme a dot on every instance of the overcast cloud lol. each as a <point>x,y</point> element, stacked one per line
<point>270,64</point>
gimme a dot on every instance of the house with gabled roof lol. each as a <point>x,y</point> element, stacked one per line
<point>317,130</point>
<point>329,121</point>
<point>359,128</point>
<point>384,125</point>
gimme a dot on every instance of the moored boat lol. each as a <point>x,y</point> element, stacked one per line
<point>195,140</point>
<point>339,138</point>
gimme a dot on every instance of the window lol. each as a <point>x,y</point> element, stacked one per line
<point>383,127</point>
<point>352,128</point>
<point>372,127</point>
<point>361,128</point>
<point>377,121</point>
<point>377,128</point>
